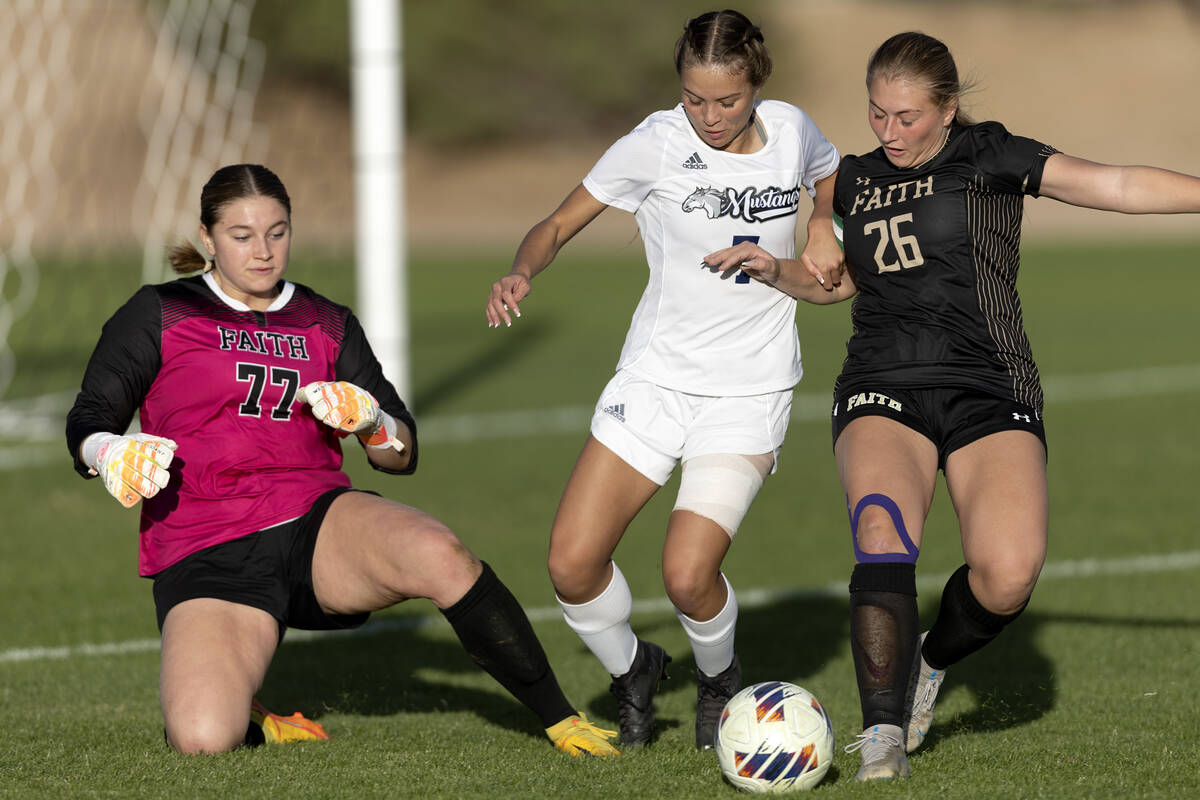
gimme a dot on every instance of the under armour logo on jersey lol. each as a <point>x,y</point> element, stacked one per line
<point>1019,417</point>
<point>861,181</point>
<point>616,411</point>
<point>694,162</point>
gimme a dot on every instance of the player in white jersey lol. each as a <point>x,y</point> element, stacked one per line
<point>706,374</point>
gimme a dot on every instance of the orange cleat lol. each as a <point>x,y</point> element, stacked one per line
<point>295,728</point>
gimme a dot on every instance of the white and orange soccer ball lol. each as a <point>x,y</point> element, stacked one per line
<point>774,737</point>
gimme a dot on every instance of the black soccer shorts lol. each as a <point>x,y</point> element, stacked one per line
<point>950,417</point>
<point>270,569</point>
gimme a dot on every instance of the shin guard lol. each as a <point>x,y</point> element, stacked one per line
<point>883,634</point>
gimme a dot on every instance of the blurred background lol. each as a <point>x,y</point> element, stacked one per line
<point>116,111</point>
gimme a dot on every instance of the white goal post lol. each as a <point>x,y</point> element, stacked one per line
<point>180,79</point>
<point>376,97</point>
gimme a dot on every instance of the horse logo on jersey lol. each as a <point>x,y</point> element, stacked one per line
<point>750,204</point>
<point>708,199</point>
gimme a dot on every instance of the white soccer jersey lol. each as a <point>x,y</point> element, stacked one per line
<point>694,331</point>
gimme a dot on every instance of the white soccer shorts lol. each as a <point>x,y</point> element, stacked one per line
<point>652,428</point>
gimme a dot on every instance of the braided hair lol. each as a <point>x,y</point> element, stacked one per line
<point>724,39</point>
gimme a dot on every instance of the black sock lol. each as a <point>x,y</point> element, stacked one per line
<point>963,625</point>
<point>496,633</point>
<point>254,736</point>
<point>883,633</point>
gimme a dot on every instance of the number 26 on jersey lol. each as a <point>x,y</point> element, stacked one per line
<point>908,251</point>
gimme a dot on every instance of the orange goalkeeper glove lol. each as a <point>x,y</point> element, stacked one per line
<point>132,467</point>
<point>346,407</point>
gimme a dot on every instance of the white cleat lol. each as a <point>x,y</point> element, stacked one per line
<point>924,691</point>
<point>883,758</point>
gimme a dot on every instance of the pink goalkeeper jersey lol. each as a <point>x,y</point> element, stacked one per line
<point>250,455</point>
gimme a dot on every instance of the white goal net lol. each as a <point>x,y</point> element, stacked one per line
<point>115,112</point>
<point>195,113</point>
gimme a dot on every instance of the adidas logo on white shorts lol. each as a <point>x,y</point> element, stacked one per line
<point>617,411</point>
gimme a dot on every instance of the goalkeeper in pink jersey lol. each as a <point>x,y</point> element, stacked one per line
<point>244,384</point>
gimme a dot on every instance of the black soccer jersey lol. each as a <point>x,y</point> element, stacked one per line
<point>934,252</point>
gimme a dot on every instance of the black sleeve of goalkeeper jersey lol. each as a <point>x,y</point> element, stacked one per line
<point>357,364</point>
<point>119,373</point>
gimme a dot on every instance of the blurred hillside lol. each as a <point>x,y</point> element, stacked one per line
<point>1112,82</point>
<point>509,103</point>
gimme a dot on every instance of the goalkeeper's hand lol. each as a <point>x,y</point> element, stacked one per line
<point>345,407</point>
<point>132,467</point>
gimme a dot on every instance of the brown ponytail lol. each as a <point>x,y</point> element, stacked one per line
<point>228,184</point>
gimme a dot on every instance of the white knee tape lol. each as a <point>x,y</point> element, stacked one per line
<point>721,487</point>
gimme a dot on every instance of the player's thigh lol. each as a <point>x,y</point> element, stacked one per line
<point>602,496</point>
<point>998,487</point>
<point>886,468</point>
<point>372,553</point>
<point>214,657</point>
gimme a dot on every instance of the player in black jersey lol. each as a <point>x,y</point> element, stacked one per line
<point>938,372</point>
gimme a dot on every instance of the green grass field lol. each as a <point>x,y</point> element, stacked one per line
<point>1089,695</point>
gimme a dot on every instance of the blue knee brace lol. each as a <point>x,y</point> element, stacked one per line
<point>888,505</point>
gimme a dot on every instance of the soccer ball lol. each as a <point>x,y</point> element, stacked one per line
<point>774,737</point>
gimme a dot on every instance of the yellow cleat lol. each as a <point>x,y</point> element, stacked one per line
<point>295,728</point>
<point>576,737</point>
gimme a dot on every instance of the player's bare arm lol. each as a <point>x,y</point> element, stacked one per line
<point>537,250</point>
<point>789,275</point>
<point>797,279</point>
<point>822,255</point>
<point>1127,189</point>
<point>396,459</point>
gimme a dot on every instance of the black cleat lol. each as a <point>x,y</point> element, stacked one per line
<point>635,693</point>
<point>712,693</point>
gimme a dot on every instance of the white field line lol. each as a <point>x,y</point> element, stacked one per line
<point>32,428</point>
<point>747,598</point>
<point>806,406</point>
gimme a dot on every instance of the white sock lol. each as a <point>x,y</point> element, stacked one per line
<point>712,640</point>
<point>603,624</point>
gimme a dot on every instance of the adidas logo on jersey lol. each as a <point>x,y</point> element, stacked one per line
<point>617,411</point>
<point>694,162</point>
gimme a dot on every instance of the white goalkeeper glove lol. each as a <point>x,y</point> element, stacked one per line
<point>132,467</point>
<point>346,407</point>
